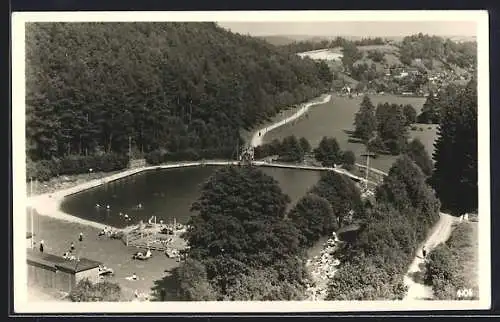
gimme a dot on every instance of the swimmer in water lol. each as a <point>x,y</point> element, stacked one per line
<point>97,205</point>
<point>107,207</point>
<point>139,205</point>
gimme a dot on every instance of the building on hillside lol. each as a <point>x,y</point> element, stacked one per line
<point>57,273</point>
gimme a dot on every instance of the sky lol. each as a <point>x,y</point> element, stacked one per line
<point>354,28</point>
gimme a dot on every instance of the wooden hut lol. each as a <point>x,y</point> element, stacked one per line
<point>55,272</point>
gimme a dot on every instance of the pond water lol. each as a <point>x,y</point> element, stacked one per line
<point>167,194</point>
<point>336,119</point>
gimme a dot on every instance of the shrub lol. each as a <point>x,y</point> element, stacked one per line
<point>86,291</point>
<point>44,170</point>
<point>348,159</point>
<point>155,157</point>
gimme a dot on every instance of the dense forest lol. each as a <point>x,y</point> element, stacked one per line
<point>95,88</point>
<point>463,54</point>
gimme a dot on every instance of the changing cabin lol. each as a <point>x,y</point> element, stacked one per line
<point>55,272</point>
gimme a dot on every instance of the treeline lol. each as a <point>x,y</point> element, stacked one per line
<point>425,47</point>
<point>437,102</point>
<point>170,86</point>
<point>291,149</point>
<point>384,129</point>
<point>44,170</point>
<point>374,264</point>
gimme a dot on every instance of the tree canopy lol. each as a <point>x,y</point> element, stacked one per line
<point>343,195</point>
<point>348,160</point>
<point>374,263</point>
<point>328,152</point>
<point>392,127</point>
<point>365,121</point>
<point>427,48</point>
<point>406,189</point>
<point>240,227</point>
<point>430,113</point>
<point>176,86</point>
<point>417,152</point>
<point>290,149</point>
<point>313,216</point>
<point>455,174</point>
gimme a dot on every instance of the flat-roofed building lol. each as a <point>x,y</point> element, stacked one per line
<point>56,272</point>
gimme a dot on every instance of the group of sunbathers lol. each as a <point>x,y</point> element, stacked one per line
<point>69,254</point>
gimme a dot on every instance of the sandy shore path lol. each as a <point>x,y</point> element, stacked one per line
<point>259,134</point>
<point>49,204</point>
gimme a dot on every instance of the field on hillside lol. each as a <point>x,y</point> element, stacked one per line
<point>336,119</point>
<point>391,55</point>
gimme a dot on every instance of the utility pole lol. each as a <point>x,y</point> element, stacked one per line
<point>129,148</point>
<point>31,212</point>
<point>368,160</point>
<point>237,150</point>
<point>367,169</point>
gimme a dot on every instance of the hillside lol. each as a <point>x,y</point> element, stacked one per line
<point>277,40</point>
<point>179,87</point>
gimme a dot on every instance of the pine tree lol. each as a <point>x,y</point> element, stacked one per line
<point>365,121</point>
<point>430,113</point>
<point>455,174</point>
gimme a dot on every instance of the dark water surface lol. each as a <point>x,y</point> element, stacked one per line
<point>167,194</point>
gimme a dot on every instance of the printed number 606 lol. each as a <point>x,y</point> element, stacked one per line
<point>465,293</point>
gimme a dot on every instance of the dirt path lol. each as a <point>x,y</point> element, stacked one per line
<point>259,134</point>
<point>414,277</point>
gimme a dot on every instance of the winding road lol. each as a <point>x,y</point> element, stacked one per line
<point>439,234</point>
<point>259,134</point>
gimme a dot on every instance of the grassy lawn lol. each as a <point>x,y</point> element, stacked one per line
<point>58,236</point>
<point>467,254</point>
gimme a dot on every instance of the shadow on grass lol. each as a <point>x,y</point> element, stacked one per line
<point>354,140</point>
<point>165,289</point>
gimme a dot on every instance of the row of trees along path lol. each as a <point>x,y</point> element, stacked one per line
<point>455,172</point>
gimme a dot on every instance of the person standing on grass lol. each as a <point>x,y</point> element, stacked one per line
<point>72,247</point>
<point>80,238</point>
<point>41,246</point>
<point>424,252</point>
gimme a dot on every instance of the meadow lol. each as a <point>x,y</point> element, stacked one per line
<point>336,118</point>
